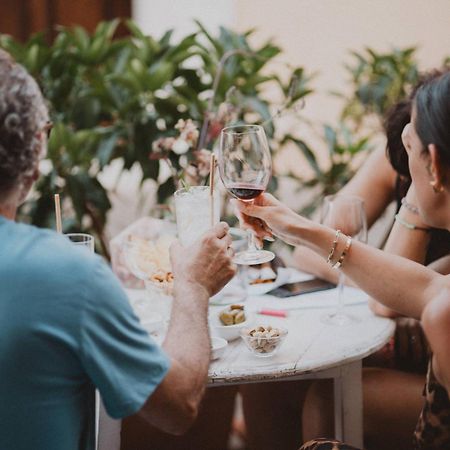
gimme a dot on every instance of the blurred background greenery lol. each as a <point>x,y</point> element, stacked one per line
<point>112,98</point>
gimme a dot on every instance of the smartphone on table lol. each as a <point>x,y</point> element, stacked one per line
<point>301,287</point>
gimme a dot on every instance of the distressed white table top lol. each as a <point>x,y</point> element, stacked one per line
<point>311,345</point>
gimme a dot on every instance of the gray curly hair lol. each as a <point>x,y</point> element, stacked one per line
<point>23,116</point>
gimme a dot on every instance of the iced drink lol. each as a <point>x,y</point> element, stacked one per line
<point>193,211</point>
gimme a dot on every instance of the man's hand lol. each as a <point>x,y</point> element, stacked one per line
<point>200,271</point>
<point>206,263</point>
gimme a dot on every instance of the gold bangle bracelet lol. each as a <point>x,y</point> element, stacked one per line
<point>339,262</point>
<point>333,246</point>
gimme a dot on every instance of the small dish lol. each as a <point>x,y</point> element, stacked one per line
<point>263,341</point>
<point>282,277</point>
<point>228,332</point>
<point>218,347</point>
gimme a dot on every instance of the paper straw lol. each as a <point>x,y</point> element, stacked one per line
<point>58,214</point>
<point>211,186</point>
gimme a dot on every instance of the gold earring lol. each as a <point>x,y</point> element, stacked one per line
<point>436,188</point>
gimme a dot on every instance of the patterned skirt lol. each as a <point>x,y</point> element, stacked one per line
<point>433,427</point>
<point>326,444</point>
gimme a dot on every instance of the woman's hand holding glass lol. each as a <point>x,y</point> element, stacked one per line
<point>267,216</point>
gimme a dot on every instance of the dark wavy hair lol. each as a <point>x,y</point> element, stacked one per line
<point>395,121</point>
<point>432,102</point>
<point>23,115</point>
<point>397,118</point>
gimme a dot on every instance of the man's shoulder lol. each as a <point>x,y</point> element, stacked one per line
<point>41,254</point>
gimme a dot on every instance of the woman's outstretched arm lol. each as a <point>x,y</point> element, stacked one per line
<point>398,283</point>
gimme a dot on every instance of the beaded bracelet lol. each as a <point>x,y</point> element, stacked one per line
<point>410,207</point>
<point>333,246</point>
<point>410,226</point>
<point>339,262</point>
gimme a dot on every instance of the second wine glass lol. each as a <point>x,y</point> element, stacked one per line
<point>345,213</point>
<point>245,168</point>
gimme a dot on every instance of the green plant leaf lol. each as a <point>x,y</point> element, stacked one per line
<point>106,148</point>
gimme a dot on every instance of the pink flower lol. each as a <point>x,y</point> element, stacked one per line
<point>188,131</point>
<point>203,162</point>
<point>180,146</point>
<point>191,175</point>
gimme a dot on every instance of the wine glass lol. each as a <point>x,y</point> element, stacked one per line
<point>245,168</point>
<point>82,240</point>
<point>345,213</point>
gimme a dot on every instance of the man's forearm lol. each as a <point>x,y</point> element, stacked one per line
<point>174,404</point>
<point>187,339</point>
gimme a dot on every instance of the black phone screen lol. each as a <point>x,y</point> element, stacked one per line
<point>302,287</point>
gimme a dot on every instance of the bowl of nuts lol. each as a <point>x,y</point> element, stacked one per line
<point>263,341</point>
<point>229,322</point>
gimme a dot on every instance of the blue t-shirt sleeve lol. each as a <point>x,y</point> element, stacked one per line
<point>123,362</point>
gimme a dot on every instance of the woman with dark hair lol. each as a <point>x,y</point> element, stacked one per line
<point>408,288</point>
<point>398,370</point>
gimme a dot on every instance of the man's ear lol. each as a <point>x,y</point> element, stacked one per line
<point>27,184</point>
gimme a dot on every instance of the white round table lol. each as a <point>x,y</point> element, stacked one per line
<point>311,350</point>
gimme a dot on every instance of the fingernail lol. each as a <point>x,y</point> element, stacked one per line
<point>269,238</point>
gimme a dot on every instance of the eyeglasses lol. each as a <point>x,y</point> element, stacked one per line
<point>48,128</point>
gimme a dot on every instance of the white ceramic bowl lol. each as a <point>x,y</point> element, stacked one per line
<point>228,332</point>
<point>218,347</point>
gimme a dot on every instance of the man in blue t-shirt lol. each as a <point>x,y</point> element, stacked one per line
<point>66,326</point>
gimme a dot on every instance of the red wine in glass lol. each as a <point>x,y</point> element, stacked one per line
<point>245,192</point>
<point>245,167</point>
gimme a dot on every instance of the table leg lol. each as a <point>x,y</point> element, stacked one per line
<point>348,404</point>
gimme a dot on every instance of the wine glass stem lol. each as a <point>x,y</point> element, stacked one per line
<point>251,241</point>
<point>341,283</point>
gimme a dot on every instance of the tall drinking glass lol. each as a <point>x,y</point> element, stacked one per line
<point>82,240</point>
<point>345,213</point>
<point>245,168</point>
<point>193,209</point>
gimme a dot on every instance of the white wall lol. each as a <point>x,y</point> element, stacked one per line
<point>157,16</point>
<point>318,34</point>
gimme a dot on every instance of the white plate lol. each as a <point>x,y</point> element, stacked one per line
<point>284,275</point>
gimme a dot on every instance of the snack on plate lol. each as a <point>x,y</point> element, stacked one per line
<point>233,315</point>
<point>260,276</point>
<point>163,280</point>
<point>150,260</point>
